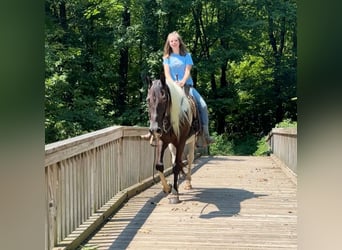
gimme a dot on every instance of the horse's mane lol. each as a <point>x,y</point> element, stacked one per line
<point>180,107</point>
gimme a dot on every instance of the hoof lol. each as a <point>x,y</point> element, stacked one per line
<point>174,199</point>
<point>182,175</point>
<point>168,191</point>
<point>188,185</point>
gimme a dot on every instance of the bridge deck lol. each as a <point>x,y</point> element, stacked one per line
<point>237,202</point>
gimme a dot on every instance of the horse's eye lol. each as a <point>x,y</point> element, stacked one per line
<point>150,100</point>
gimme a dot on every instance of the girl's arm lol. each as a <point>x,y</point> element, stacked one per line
<point>167,72</point>
<point>186,75</point>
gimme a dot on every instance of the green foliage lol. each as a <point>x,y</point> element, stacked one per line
<point>221,146</point>
<point>154,64</point>
<point>250,72</point>
<point>286,123</point>
<point>248,145</point>
<point>254,112</point>
<point>262,147</point>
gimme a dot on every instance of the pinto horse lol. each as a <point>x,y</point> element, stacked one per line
<point>171,119</point>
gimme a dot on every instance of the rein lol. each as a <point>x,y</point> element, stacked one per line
<point>154,163</point>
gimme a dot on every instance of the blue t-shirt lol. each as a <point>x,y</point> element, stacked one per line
<point>177,64</point>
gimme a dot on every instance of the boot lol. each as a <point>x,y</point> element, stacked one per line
<point>208,139</point>
<point>200,141</point>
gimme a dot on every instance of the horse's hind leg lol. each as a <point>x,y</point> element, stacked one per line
<point>188,185</point>
<point>190,158</point>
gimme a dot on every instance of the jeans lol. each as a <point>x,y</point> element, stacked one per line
<point>201,105</point>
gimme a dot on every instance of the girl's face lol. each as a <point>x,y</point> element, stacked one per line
<point>173,41</point>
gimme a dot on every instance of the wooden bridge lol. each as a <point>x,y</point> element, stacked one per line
<point>102,195</point>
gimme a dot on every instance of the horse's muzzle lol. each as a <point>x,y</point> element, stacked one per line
<point>157,132</point>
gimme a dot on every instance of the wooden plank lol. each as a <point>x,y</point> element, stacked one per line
<point>236,203</point>
<point>292,175</point>
<point>285,131</point>
<point>134,131</point>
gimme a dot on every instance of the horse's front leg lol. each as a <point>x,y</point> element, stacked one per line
<point>174,196</point>
<point>173,151</point>
<point>176,168</point>
<point>160,166</point>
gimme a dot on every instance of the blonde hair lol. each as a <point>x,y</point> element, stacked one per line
<point>167,48</point>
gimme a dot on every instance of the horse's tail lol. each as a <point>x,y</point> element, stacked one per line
<point>180,107</point>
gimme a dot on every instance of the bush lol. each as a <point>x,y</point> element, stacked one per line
<point>286,123</point>
<point>262,147</point>
<point>221,146</point>
<point>248,145</point>
<point>224,146</point>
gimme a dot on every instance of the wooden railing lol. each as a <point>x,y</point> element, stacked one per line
<point>87,175</point>
<point>283,144</point>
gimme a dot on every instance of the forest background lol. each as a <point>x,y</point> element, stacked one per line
<point>98,53</point>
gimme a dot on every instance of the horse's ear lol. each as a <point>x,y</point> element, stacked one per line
<point>162,78</point>
<point>149,81</point>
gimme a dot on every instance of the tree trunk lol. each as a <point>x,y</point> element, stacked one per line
<point>62,15</point>
<point>123,67</point>
<point>277,53</point>
<point>194,72</point>
<point>223,78</point>
<point>150,24</point>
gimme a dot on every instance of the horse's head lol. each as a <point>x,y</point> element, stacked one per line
<point>158,99</point>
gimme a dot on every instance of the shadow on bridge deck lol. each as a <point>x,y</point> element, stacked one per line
<point>226,200</point>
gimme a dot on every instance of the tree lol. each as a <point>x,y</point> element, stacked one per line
<point>281,31</point>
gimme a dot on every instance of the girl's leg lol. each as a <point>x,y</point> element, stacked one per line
<point>203,112</point>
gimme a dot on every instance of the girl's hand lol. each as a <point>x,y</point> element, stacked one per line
<point>181,83</point>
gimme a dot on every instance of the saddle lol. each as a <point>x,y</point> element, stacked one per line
<point>196,124</point>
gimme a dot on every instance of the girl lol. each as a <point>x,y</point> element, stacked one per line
<point>177,63</point>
